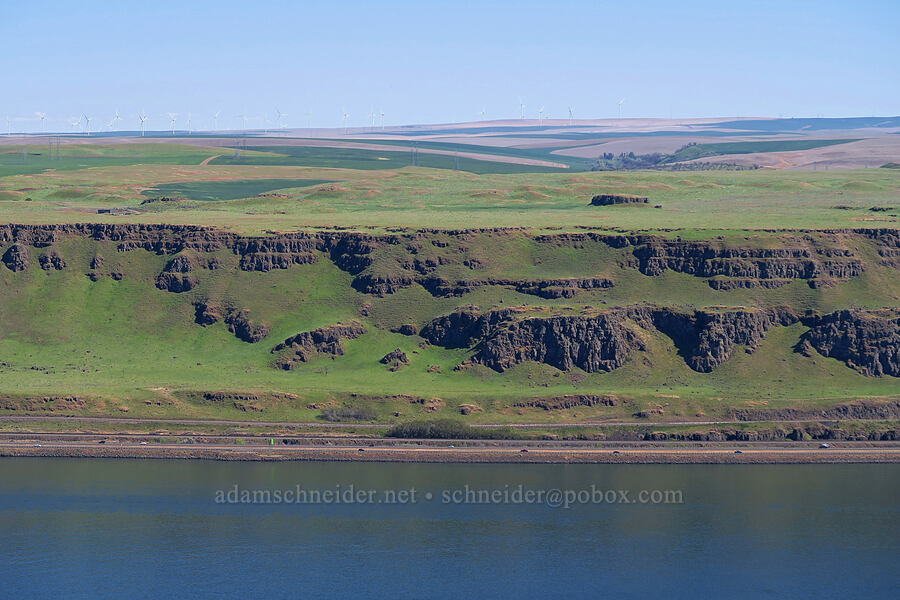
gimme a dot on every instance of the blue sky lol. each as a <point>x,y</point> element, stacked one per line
<point>425,62</point>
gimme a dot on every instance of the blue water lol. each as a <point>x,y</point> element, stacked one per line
<point>81,528</point>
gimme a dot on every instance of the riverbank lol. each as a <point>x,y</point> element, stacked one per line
<point>507,454</point>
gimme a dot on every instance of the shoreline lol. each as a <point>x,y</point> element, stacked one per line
<point>765,455</point>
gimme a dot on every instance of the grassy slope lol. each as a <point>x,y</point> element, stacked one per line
<point>122,340</point>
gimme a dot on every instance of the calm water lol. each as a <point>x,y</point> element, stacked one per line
<point>127,528</point>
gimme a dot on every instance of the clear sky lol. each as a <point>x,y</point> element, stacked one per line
<point>429,62</point>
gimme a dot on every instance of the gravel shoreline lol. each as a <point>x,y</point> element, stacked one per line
<point>443,455</point>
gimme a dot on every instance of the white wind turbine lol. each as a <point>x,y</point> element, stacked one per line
<point>483,111</point>
<point>571,116</point>
<point>541,115</point>
<point>115,120</point>
<point>173,117</point>
<point>189,124</point>
<point>345,119</point>
<point>143,119</point>
<point>8,130</point>
<point>521,110</point>
<point>216,120</point>
<point>382,119</point>
<point>621,102</point>
<point>373,116</point>
<point>75,123</point>
<point>243,118</point>
<point>278,118</point>
<point>41,116</point>
<point>87,121</point>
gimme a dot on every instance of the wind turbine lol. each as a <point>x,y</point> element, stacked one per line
<point>382,120</point>
<point>571,116</point>
<point>521,110</point>
<point>115,120</point>
<point>216,120</point>
<point>278,116</point>
<point>8,132</point>
<point>143,119</point>
<point>483,110</point>
<point>621,102</point>
<point>345,119</point>
<point>87,121</point>
<point>41,116</point>
<point>243,118</point>
<point>373,116</point>
<point>189,123</point>
<point>75,123</point>
<point>173,117</point>
<point>541,115</point>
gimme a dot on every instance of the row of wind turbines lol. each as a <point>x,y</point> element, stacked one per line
<point>83,123</point>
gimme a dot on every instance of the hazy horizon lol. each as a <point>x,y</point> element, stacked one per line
<point>441,64</point>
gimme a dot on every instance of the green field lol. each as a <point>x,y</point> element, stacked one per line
<point>123,176</point>
<point>215,191</point>
<point>706,150</point>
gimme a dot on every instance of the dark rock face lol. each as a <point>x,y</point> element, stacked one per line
<point>52,261</point>
<point>243,328</point>
<point>706,339</point>
<point>703,259</point>
<point>544,288</point>
<point>395,359</point>
<point>604,341</point>
<point>737,284</point>
<point>206,314</point>
<point>97,262</point>
<point>569,401</point>
<point>325,340</point>
<point>868,341</point>
<point>266,261</point>
<point>405,329</point>
<point>461,328</point>
<point>176,277</point>
<point>175,282</point>
<point>379,285</point>
<point>16,257</point>
<point>600,343</point>
<point>610,199</point>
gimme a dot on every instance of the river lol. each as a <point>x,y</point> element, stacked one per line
<point>95,528</point>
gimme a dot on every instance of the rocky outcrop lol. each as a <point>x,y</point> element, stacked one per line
<point>463,327</point>
<point>704,259</point>
<point>52,262</point>
<point>243,328</point>
<point>729,284</point>
<point>858,410</point>
<point>569,401</point>
<point>266,261</point>
<point>604,341</point>
<point>325,340</point>
<point>177,276</point>
<point>381,285</point>
<point>206,314</point>
<point>707,338</point>
<point>16,257</point>
<point>599,343</point>
<point>544,288</point>
<point>395,359</point>
<point>610,199</point>
<point>868,341</point>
